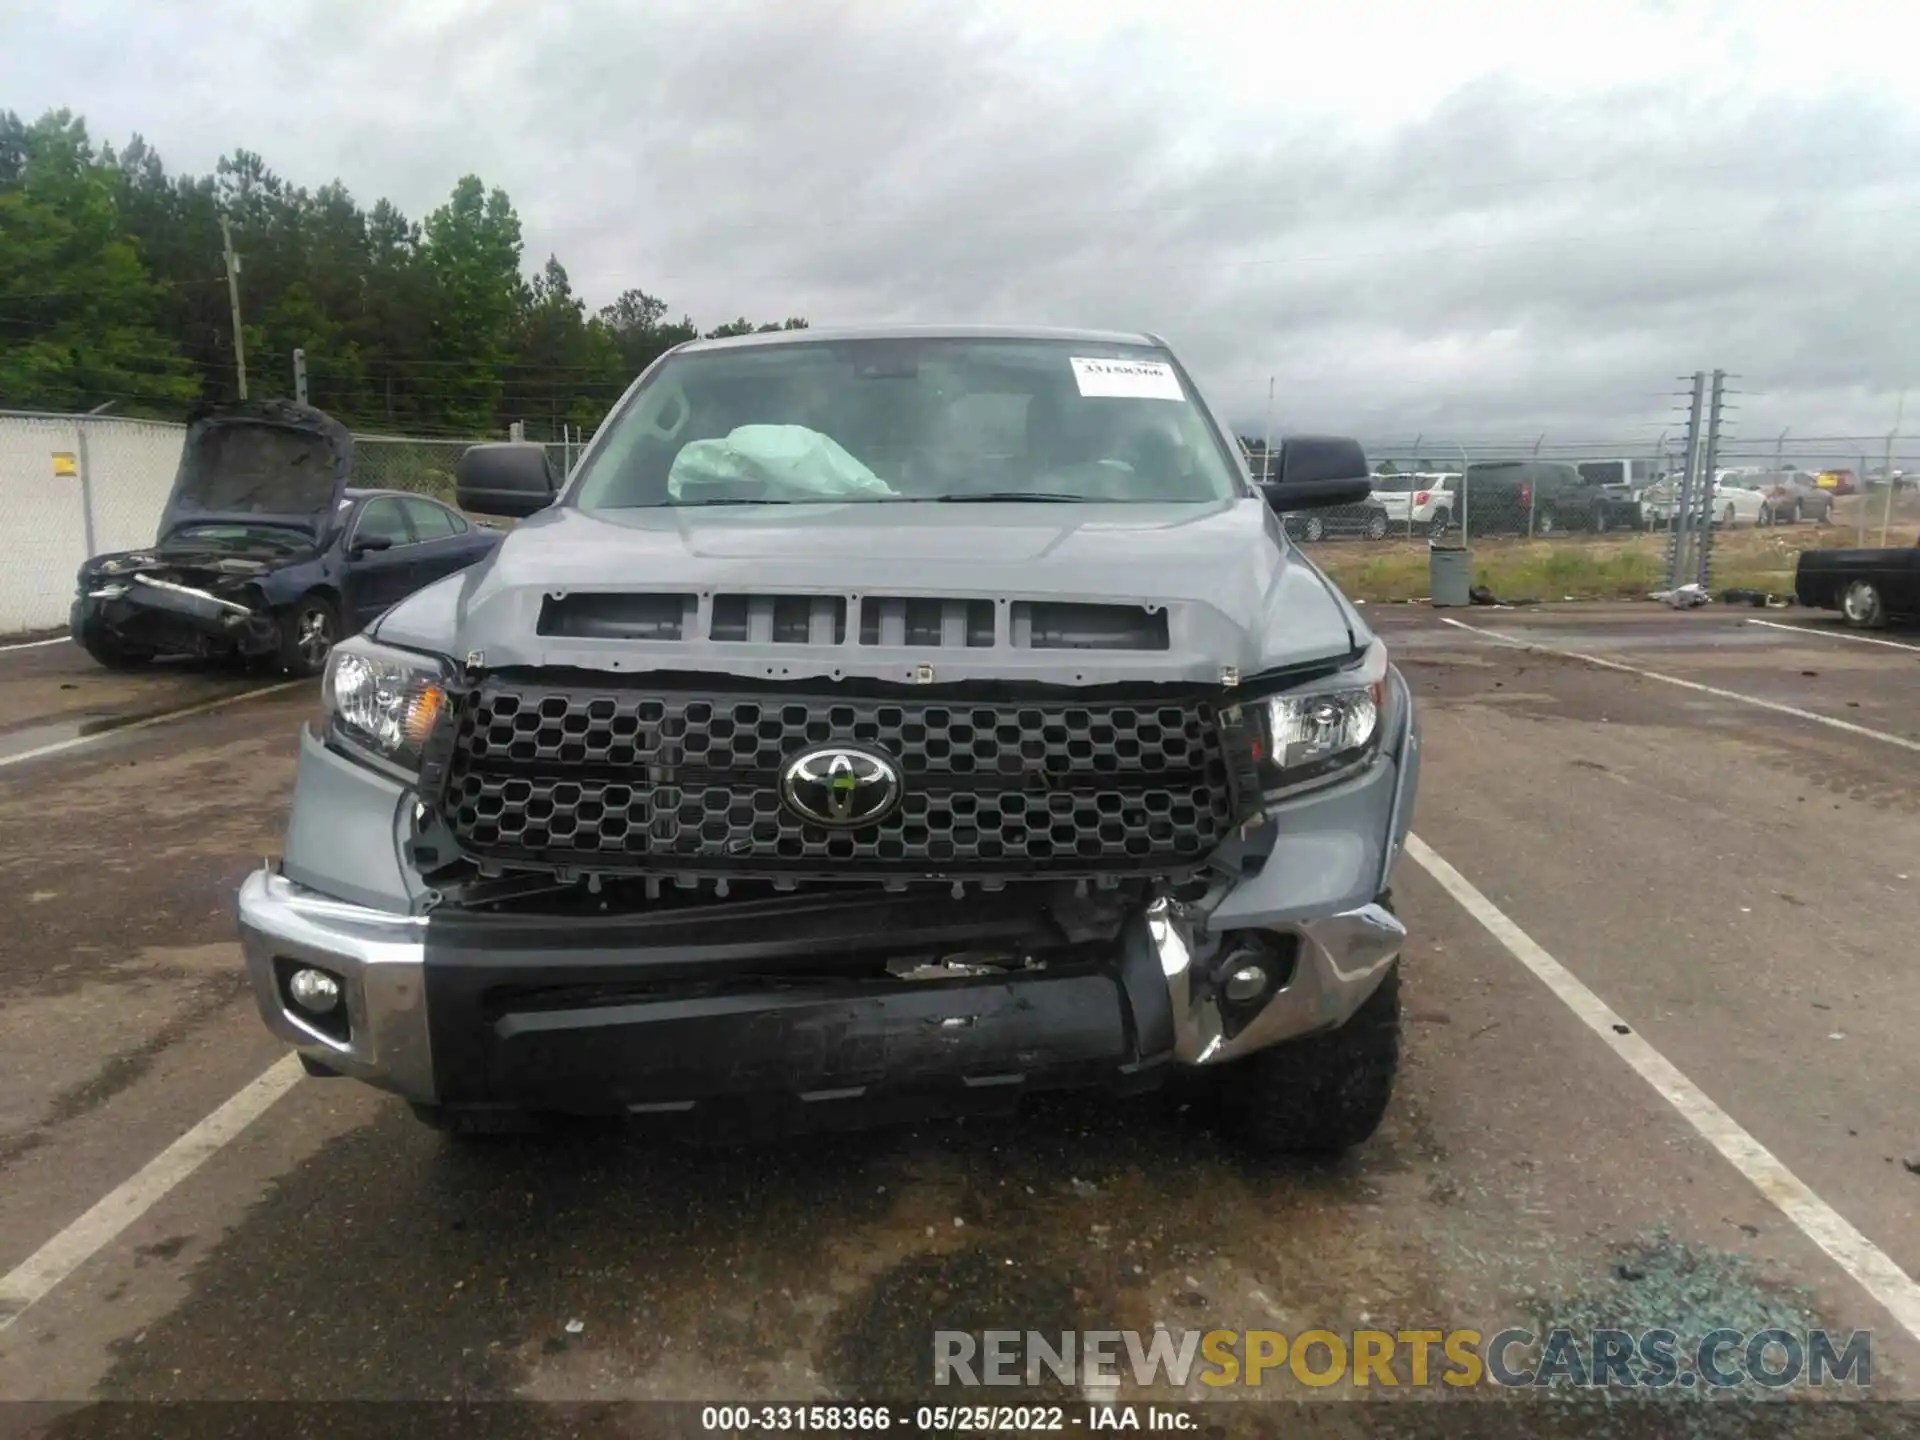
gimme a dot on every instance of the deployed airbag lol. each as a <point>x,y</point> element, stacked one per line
<point>790,462</point>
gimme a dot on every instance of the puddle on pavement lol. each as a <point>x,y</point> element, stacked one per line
<point>81,727</point>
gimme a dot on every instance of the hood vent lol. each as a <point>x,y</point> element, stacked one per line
<point>923,621</point>
<point>896,621</point>
<point>1051,625</point>
<point>591,615</point>
<point>780,619</point>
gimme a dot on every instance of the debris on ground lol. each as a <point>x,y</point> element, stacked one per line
<point>1759,599</point>
<point>576,1327</point>
<point>1690,596</point>
<point>1481,595</point>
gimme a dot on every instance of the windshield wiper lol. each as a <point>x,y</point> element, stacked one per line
<point>987,497</point>
<point>719,500</point>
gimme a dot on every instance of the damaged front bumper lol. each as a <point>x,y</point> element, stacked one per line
<point>161,615</point>
<point>617,1014</point>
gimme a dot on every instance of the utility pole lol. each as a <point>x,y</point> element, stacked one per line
<point>300,376</point>
<point>1266,442</point>
<point>1679,548</point>
<point>1886,514</point>
<point>233,296</point>
<point>1711,468</point>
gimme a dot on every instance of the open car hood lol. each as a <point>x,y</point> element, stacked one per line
<point>260,461</point>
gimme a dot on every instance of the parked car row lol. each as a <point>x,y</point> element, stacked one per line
<point>1551,497</point>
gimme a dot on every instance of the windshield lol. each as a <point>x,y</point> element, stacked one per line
<point>909,420</point>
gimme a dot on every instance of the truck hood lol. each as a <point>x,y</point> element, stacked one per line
<point>903,592</point>
<point>260,462</point>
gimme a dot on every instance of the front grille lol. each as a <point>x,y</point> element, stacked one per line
<point>623,780</point>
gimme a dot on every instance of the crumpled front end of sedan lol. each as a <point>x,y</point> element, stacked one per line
<point>195,603</point>
<point>258,485</point>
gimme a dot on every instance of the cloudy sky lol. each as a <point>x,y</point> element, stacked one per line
<point>1483,219</point>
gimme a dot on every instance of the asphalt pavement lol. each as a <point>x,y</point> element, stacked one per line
<point>1711,835</point>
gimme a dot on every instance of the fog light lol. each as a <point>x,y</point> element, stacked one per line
<point>314,991</point>
<point>1249,982</point>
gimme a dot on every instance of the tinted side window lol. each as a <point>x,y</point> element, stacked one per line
<point>384,517</point>
<point>431,521</point>
<point>1603,472</point>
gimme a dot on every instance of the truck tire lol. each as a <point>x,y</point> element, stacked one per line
<point>476,1123</point>
<point>1324,1094</point>
<point>1862,606</point>
<point>1313,528</point>
<point>309,628</point>
<point>1377,527</point>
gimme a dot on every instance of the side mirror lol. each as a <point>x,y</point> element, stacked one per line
<point>512,478</point>
<point>1316,472</point>
<point>363,544</point>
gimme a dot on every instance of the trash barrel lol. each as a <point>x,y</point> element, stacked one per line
<point>1449,575</point>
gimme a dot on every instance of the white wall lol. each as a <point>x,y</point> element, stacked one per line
<point>129,467</point>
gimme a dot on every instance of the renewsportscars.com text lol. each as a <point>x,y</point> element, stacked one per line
<point>1655,1359</point>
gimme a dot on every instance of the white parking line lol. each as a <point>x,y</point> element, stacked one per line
<point>1853,1252</point>
<point>34,1278</point>
<point>1714,690</point>
<point>76,741</point>
<point>36,644</point>
<point>1835,635</point>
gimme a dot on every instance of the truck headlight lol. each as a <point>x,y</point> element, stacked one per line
<point>1327,727</point>
<point>382,700</point>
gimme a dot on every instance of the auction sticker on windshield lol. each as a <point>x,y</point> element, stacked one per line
<point>1126,379</point>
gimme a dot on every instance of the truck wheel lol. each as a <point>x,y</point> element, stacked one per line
<point>308,628</point>
<point>474,1124</point>
<point>1376,527</point>
<point>1323,1094</point>
<point>112,653</point>
<point>1313,528</point>
<point>1861,605</point>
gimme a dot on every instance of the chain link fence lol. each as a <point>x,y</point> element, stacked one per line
<point>1763,501</point>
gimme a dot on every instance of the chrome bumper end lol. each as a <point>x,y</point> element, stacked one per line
<point>1340,960</point>
<point>379,958</point>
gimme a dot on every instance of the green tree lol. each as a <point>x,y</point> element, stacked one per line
<point>77,307</point>
<point>112,287</point>
<point>566,369</point>
<point>638,324</point>
<point>472,259</point>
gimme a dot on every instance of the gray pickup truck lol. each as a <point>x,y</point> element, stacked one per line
<point>876,723</point>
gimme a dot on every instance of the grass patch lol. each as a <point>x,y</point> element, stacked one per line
<point>1577,567</point>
